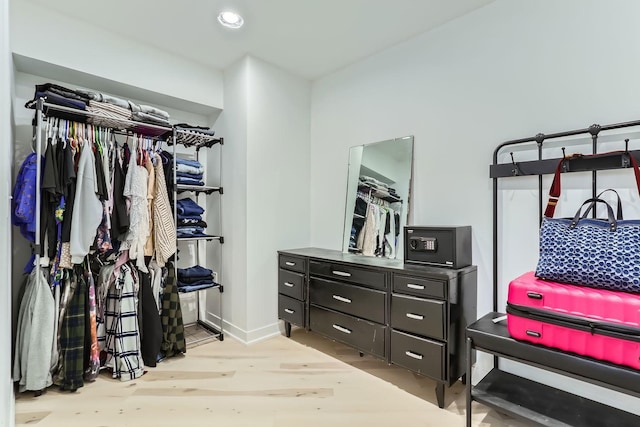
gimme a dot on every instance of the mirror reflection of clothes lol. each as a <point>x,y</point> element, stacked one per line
<point>378,236</point>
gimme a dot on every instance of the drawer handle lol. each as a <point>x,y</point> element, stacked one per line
<point>415,316</point>
<point>289,311</point>
<point>341,329</point>
<point>534,295</point>
<point>290,264</point>
<point>343,299</point>
<point>412,286</point>
<point>534,334</point>
<point>341,273</point>
<point>289,285</point>
<point>414,355</point>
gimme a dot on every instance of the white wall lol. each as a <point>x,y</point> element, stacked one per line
<point>6,154</point>
<point>233,126</point>
<point>266,188</point>
<point>277,184</point>
<point>508,70</point>
<point>49,36</point>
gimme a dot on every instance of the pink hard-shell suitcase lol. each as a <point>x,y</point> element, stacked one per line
<point>591,322</point>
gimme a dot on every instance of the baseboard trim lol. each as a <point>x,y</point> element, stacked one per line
<point>244,336</point>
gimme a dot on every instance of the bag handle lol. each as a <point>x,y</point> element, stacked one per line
<point>619,216</point>
<point>554,191</point>
<point>613,225</point>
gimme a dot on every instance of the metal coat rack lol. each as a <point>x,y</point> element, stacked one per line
<point>540,167</point>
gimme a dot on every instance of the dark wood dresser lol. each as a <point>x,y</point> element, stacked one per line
<point>411,316</point>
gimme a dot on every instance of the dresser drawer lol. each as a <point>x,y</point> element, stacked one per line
<point>350,299</point>
<point>291,284</point>
<point>420,316</point>
<point>292,263</point>
<point>361,276</point>
<point>419,286</point>
<point>365,336</point>
<point>423,356</point>
<point>291,310</point>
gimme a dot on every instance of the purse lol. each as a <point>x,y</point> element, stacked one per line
<point>598,253</point>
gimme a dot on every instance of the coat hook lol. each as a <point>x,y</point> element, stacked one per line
<point>626,145</point>
<point>564,155</point>
<point>514,170</point>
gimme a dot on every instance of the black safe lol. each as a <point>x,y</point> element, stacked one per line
<point>440,246</point>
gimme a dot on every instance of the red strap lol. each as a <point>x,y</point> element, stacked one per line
<point>554,191</point>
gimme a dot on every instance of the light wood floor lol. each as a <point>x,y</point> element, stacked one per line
<point>305,381</point>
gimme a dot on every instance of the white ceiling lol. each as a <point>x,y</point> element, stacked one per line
<point>310,38</point>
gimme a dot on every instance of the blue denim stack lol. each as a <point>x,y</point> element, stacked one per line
<point>189,172</point>
<point>190,219</point>
<point>195,278</point>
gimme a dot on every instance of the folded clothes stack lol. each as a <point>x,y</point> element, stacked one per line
<point>190,223</point>
<point>195,278</point>
<point>100,103</point>
<point>382,189</point>
<point>149,114</point>
<point>109,112</point>
<point>189,172</point>
<point>60,95</point>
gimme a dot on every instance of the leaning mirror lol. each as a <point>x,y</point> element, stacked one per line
<point>377,206</point>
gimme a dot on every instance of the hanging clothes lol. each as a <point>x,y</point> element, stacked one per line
<point>164,225</point>
<point>149,322</point>
<point>119,214</point>
<point>173,339</point>
<point>122,343</point>
<point>88,209</point>
<point>138,215</point>
<point>151,195</point>
<point>92,351</point>
<point>23,202</point>
<point>35,335</point>
<point>72,334</point>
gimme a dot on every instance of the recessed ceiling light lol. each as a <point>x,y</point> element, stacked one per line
<point>230,19</point>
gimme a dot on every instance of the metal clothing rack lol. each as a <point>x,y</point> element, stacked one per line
<point>126,127</point>
<point>207,142</point>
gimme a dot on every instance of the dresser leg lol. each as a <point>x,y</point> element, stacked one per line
<point>287,329</point>
<point>361,354</point>
<point>440,394</point>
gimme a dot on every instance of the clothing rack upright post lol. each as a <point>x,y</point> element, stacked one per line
<point>207,190</point>
<point>37,242</point>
